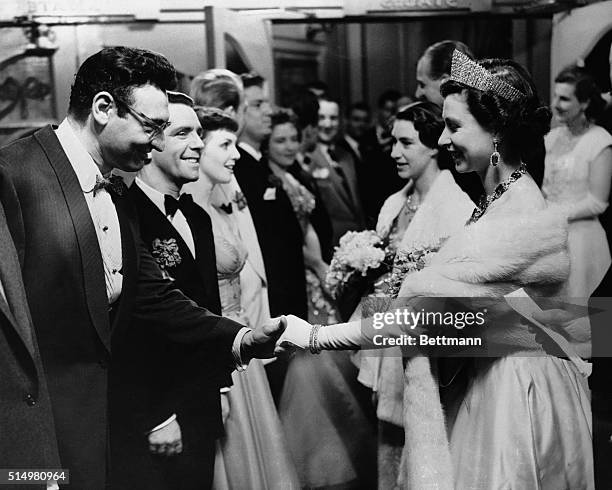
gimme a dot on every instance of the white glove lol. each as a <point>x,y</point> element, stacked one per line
<point>297,334</point>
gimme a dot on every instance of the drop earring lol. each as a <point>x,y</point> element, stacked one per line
<point>495,156</point>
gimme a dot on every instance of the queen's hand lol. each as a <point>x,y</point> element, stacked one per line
<point>296,335</point>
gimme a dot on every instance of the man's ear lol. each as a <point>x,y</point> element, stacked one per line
<point>101,106</point>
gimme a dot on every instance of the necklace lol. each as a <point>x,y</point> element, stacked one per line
<point>485,201</point>
<point>409,204</point>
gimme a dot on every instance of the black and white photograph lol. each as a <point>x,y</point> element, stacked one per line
<point>305,245</point>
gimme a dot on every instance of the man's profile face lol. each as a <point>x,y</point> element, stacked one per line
<point>125,142</point>
<point>257,113</point>
<point>427,87</point>
<point>180,158</point>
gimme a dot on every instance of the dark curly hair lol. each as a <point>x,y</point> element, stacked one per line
<point>118,70</point>
<point>585,88</point>
<point>427,120</point>
<point>213,119</point>
<point>519,125</point>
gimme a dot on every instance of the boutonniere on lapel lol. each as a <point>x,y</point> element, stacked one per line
<point>240,200</point>
<point>320,173</point>
<point>166,254</point>
<point>273,183</point>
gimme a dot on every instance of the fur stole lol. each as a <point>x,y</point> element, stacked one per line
<point>514,245</point>
<point>443,212</point>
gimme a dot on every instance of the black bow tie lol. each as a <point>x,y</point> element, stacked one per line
<point>113,184</point>
<point>172,205</point>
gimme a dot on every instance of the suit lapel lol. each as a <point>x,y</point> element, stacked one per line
<point>351,177</point>
<point>320,160</point>
<point>129,256</point>
<point>158,221</point>
<point>201,228</point>
<point>91,258</point>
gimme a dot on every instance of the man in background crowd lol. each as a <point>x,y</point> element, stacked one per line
<point>334,172</point>
<point>278,230</point>
<point>433,69</point>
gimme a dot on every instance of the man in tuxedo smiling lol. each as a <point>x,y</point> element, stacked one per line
<point>166,416</point>
<point>87,275</point>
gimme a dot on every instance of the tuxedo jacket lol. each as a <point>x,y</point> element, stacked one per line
<point>279,233</point>
<point>186,383</point>
<point>343,203</point>
<point>63,276</point>
<point>27,434</point>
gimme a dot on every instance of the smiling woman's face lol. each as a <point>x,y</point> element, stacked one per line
<point>284,144</point>
<point>219,156</point>
<point>468,143</point>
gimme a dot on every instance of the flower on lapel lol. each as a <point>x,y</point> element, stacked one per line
<point>320,173</point>
<point>166,254</point>
<point>240,200</point>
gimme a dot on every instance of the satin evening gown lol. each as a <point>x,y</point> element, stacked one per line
<point>253,454</point>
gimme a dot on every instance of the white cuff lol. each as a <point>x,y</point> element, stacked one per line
<point>240,365</point>
<point>163,424</point>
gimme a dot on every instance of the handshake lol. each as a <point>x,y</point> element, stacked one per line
<point>277,336</point>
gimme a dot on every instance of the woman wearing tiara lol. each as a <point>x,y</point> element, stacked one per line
<point>525,419</point>
<point>427,210</point>
<point>253,427</point>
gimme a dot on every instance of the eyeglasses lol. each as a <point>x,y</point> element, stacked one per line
<point>150,127</point>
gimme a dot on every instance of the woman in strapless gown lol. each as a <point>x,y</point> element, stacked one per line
<point>253,454</point>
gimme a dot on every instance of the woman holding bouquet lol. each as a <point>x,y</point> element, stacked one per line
<point>430,208</point>
<point>524,420</point>
<point>338,450</point>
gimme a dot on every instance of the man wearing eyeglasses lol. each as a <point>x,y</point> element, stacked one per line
<point>86,274</point>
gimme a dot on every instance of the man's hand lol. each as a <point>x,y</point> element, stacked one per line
<point>261,341</point>
<point>167,440</point>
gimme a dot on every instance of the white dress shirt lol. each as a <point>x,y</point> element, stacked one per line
<point>101,208</point>
<point>178,220</point>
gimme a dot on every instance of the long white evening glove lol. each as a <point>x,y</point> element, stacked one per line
<point>342,336</point>
<point>588,207</point>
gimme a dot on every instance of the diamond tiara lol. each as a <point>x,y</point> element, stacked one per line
<point>468,72</point>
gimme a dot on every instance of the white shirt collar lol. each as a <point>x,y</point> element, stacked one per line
<point>250,150</point>
<point>156,197</point>
<point>82,163</point>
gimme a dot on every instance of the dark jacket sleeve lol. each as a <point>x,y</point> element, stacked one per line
<point>173,314</point>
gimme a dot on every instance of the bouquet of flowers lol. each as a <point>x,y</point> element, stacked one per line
<point>359,255</point>
<point>406,262</point>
